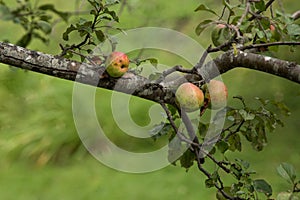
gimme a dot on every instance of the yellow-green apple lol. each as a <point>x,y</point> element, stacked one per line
<point>117,64</point>
<point>189,97</point>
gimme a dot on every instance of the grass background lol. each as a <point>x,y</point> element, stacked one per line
<point>36,123</point>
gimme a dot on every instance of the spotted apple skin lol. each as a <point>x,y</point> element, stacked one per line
<point>117,64</point>
<point>189,97</point>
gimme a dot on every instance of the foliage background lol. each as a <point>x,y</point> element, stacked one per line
<point>37,132</point>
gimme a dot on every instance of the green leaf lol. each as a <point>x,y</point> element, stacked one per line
<point>38,36</point>
<point>45,26</point>
<point>260,34</point>
<point>202,129</point>
<point>154,76</point>
<point>112,14</point>
<point>153,61</point>
<point>100,35</point>
<point>25,40</point>
<point>174,149</point>
<point>287,172</point>
<point>203,7</point>
<point>244,163</point>
<point>222,146</point>
<point>260,5</point>
<point>262,186</point>
<point>68,31</point>
<point>5,13</point>
<point>235,142</point>
<point>209,183</point>
<point>64,15</point>
<point>187,159</point>
<point>247,116</point>
<point>293,29</point>
<point>203,25</point>
<point>225,3</point>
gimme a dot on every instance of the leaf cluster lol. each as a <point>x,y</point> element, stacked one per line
<point>36,20</point>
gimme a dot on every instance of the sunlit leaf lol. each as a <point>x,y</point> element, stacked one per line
<point>45,26</point>
<point>287,172</point>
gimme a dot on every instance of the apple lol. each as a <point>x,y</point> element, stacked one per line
<point>272,27</point>
<point>216,93</point>
<point>189,97</point>
<point>117,64</point>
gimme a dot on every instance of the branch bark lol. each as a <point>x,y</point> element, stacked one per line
<point>137,85</point>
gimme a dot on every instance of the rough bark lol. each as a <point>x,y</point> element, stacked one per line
<point>134,84</point>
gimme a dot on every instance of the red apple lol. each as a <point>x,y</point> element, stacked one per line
<point>189,97</point>
<point>272,27</point>
<point>217,94</point>
<point>117,64</point>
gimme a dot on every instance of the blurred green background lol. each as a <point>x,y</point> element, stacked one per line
<point>42,156</point>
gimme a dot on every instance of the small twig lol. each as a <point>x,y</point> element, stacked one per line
<point>188,124</point>
<point>244,15</point>
<point>223,12</point>
<point>222,46</point>
<point>178,133</point>
<point>268,45</point>
<point>272,12</point>
<point>219,188</point>
<point>220,164</point>
<point>87,37</point>
<point>202,59</point>
<point>235,131</point>
<point>178,68</point>
<point>258,12</point>
<point>296,15</point>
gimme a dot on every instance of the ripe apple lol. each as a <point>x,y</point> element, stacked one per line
<point>117,64</point>
<point>189,97</point>
<point>272,27</point>
<point>216,93</point>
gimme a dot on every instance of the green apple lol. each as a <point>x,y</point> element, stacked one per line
<point>189,97</point>
<point>117,64</point>
<point>216,92</point>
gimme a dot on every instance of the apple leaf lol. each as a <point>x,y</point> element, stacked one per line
<point>153,61</point>
<point>203,7</point>
<point>64,15</point>
<point>44,26</point>
<point>201,26</point>
<point>287,172</point>
<point>262,186</point>
<point>69,30</point>
<point>100,35</point>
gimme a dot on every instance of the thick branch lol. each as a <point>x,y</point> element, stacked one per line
<point>137,85</point>
<point>228,61</point>
<point>81,72</point>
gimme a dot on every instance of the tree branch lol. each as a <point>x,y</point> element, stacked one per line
<point>137,85</point>
<point>82,72</point>
<point>229,61</point>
